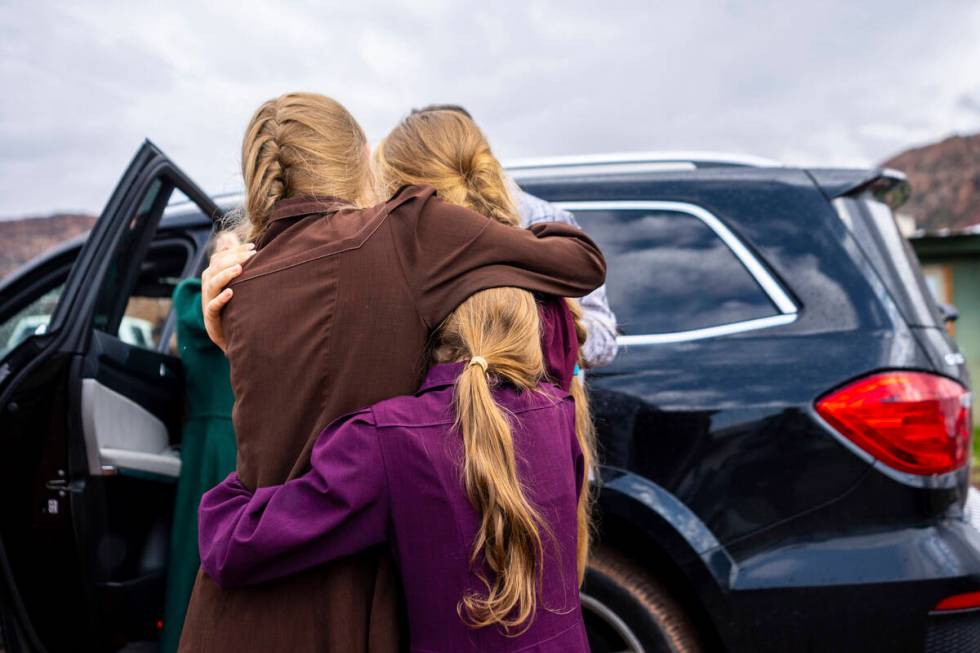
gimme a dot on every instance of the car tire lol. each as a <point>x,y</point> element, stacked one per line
<point>626,609</point>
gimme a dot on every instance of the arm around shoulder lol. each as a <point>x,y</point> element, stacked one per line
<point>453,252</point>
<point>336,509</point>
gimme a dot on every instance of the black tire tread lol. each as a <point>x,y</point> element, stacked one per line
<point>678,629</point>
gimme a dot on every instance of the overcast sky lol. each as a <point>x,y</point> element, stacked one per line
<point>832,82</point>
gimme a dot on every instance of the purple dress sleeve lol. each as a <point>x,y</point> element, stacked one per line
<point>559,343</point>
<point>336,509</point>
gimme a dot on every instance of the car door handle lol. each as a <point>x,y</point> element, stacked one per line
<point>62,486</point>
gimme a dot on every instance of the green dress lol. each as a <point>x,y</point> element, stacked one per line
<point>207,450</point>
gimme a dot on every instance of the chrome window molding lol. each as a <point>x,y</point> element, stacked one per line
<point>599,170</point>
<point>786,307</point>
<point>708,332</point>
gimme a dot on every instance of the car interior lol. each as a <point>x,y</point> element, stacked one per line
<point>131,408</point>
<point>122,435</point>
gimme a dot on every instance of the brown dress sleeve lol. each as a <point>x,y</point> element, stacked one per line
<point>449,252</point>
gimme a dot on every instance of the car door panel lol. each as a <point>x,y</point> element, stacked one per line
<point>131,407</point>
<point>122,435</point>
<point>86,421</point>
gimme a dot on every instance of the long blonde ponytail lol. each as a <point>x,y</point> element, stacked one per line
<point>497,331</point>
<point>444,147</point>
<point>585,435</point>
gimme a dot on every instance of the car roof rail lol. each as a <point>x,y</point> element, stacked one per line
<point>630,163</point>
<point>586,165</point>
<point>231,197</point>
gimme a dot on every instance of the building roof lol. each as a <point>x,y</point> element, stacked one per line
<point>972,230</point>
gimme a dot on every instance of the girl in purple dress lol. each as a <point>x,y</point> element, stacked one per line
<point>474,483</point>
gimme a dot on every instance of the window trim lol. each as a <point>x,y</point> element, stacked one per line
<point>787,309</point>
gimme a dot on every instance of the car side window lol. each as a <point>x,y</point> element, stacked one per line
<point>30,320</point>
<point>668,272</point>
<point>148,308</point>
<point>134,301</point>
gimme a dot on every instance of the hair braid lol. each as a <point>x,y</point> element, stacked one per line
<point>301,144</point>
<point>447,150</point>
<point>484,192</point>
<point>262,169</point>
<point>585,434</point>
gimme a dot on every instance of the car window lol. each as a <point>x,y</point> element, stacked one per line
<point>149,305</point>
<point>668,272</point>
<point>143,323</point>
<point>134,300</point>
<point>30,320</point>
<point>876,230</point>
<point>118,284</point>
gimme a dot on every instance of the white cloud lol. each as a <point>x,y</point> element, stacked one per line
<point>832,83</point>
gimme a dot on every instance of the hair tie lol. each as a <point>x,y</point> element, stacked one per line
<point>481,361</point>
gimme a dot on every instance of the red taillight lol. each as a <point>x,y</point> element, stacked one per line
<point>912,421</point>
<point>960,602</point>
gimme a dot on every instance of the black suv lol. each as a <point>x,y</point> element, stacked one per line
<point>785,431</point>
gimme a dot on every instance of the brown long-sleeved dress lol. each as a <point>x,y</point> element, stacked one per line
<point>332,314</point>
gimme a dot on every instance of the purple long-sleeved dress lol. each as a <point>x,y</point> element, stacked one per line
<point>391,473</point>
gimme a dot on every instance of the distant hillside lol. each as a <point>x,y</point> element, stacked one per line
<point>24,238</point>
<point>945,179</point>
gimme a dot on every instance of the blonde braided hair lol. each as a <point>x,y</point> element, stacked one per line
<point>301,144</point>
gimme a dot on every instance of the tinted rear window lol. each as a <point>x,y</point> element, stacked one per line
<point>877,233</point>
<point>668,272</point>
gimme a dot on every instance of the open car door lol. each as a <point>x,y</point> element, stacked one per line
<point>91,405</point>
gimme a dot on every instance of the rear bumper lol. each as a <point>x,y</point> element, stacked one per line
<point>957,632</point>
<point>859,592</point>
